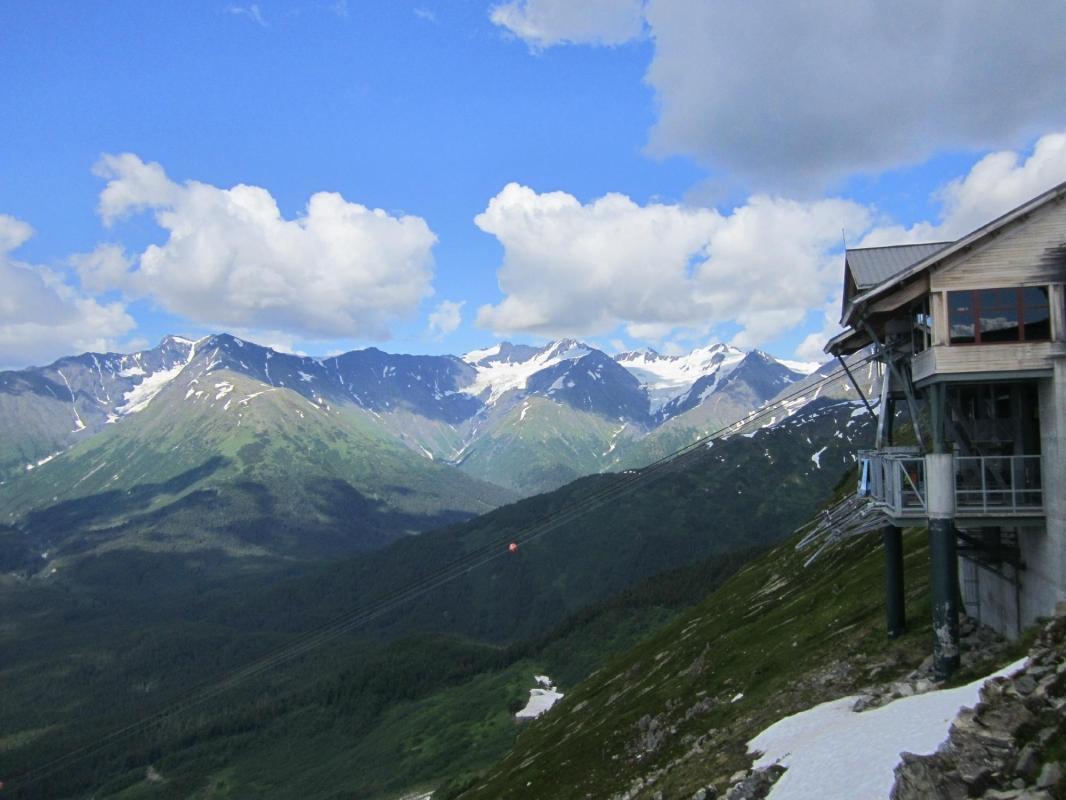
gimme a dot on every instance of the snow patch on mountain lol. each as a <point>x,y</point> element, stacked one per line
<point>43,461</point>
<point>138,398</point>
<point>541,698</point>
<point>802,367</point>
<point>498,377</point>
<point>834,753</point>
<point>665,378</point>
<point>79,425</point>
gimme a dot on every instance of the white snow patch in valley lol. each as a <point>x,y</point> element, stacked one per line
<point>304,376</point>
<point>224,388</point>
<point>614,440</point>
<point>817,457</point>
<point>834,753</point>
<point>525,408</point>
<point>131,372</point>
<point>541,698</point>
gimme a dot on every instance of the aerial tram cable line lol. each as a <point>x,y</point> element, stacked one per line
<point>469,561</point>
<point>211,688</point>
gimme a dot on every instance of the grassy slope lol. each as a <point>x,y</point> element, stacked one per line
<point>107,655</point>
<point>271,476</point>
<point>540,445</point>
<point>785,636</point>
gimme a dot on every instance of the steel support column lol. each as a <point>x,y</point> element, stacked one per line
<point>895,600</point>
<point>944,562</point>
<point>944,558</point>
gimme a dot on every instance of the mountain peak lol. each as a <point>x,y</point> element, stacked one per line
<point>642,354</point>
<point>566,348</point>
<point>173,338</point>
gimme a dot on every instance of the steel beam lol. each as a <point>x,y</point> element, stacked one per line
<point>895,599</point>
<point>944,562</point>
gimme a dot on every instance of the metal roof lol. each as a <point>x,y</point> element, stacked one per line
<point>871,266</point>
<point>969,240</point>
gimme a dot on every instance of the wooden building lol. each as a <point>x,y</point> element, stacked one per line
<point>972,338</point>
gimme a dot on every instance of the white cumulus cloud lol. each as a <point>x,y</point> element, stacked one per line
<point>231,259</point>
<point>543,23</point>
<point>790,95</point>
<point>41,317</point>
<point>445,318</point>
<point>574,268</point>
<point>998,183</point>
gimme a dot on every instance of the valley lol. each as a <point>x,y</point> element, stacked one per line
<point>221,444</point>
<point>152,601</point>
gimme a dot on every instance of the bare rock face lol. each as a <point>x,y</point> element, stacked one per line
<point>1001,748</point>
<point>756,784</point>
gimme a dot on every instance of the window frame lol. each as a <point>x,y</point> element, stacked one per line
<point>1019,307</point>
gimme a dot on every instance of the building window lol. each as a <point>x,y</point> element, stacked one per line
<point>989,316</point>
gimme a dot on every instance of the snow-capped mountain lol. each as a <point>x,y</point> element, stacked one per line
<point>667,378</point>
<point>506,368</point>
<point>567,407</point>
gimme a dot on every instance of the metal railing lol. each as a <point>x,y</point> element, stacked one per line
<point>987,485</point>
<point>998,484</point>
<point>895,480</point>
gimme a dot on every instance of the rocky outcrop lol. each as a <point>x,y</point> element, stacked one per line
<point>980,644</point>
<point>1006,747</point>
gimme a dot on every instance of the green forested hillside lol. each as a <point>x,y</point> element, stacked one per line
<point>541,445</point>
<point>778,637</point>
<point>239,469</point>
<point>123,631</point>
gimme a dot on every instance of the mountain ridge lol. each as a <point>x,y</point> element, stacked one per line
<point>437,406</point>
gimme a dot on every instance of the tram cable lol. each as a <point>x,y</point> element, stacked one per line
<point>498,548</point>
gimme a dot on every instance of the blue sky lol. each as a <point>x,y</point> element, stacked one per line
<point>660,127</point>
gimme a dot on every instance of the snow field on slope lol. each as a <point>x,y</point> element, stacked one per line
<point>834,753</point>
<point>138,398</point>
<point>541,698</point>
<point>500,377</point>
<point>667,377</point>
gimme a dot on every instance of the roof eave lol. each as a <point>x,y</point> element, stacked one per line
<point>842,344</point>
<point>966,241</point>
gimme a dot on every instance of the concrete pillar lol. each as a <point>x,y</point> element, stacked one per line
<point>895,600</point>
<point>944,561</point>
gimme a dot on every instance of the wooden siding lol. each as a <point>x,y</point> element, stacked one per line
<point>1018,256</point>
<point>1002,357</point>
<point>1058,312</point>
